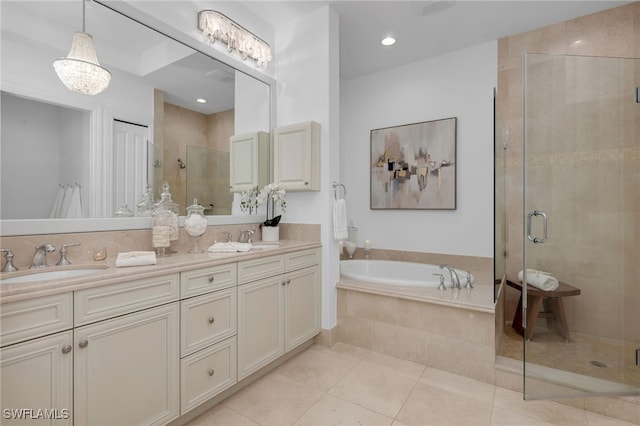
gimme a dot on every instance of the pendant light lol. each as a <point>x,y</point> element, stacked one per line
<point>80,70</point>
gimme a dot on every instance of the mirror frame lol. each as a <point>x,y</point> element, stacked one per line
<point>16,227</point>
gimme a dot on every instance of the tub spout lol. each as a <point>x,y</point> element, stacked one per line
<point>455,280</point>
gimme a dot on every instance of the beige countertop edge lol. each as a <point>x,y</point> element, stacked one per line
<point>177,262</point>
<point>480,298</point>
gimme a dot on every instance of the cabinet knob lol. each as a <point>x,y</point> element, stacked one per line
<point>284,283</point>
<point>288,281</point>
<point>211,320</point>
<point>306,183</point>
<point>212,372</point>
<point>66,349</point>
<point>211,278</point>
<point>83,343</point>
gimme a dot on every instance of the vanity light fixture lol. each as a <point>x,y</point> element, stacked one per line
<point>80,70</point>
<point>216,26</point>
<point>388,41</point>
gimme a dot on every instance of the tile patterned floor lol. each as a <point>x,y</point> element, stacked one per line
<point>549,349</point>
<point>347,385</point>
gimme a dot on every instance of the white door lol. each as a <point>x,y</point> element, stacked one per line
<point>130,146</point>
<point>260,324</point>
<point>127,369</point>
<point>302,306</point>
<point>38,375</point>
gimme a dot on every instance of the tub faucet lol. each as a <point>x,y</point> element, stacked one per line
<point>40,256</point>
<point>455,280</point>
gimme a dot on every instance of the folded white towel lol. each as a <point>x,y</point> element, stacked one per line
<point>232,247</point>
<point>540,279</point>
<point>340,219</point>
<point>136,258</point>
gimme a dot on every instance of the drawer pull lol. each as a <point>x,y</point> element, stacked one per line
<point>211,278</point>
<point>211,320</point>
<point>212,372</point>
<point>66,349</point>
<point>288,281</point>
<point>83,343</point>
<point>283,282</point>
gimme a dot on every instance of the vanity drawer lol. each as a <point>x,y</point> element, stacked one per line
<point>31,318</point>
<point>204,280</point>
<point>207,319</point>
<point>207,373</point>
<point>95,304</point>
<point>302,259</point>
<point>254,269</point>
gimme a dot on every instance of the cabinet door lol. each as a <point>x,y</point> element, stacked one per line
<point>296,157</point>
<point>248,161</point>
<point>38,375</point>
<point>127,369</point>
<point>302,306</point>
<point>260,324</point>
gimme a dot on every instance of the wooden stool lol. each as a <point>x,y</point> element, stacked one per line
<point>550,301</point>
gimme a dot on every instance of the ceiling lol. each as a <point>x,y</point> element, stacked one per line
<point>143,54</point>
<point>424,29</point>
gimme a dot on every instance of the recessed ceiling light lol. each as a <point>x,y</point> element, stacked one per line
<point>201,101</point>
<point>388,41</point>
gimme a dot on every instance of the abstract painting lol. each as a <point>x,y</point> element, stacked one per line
<point>413,166</point>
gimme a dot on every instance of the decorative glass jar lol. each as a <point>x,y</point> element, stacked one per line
<point>145,206</point>
<point>165,223</point>
<point>195,224</point>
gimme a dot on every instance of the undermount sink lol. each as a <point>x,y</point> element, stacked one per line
<point>265,246</point>
<point>53,274</point>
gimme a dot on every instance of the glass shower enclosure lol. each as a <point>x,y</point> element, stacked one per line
<point>582,225</point>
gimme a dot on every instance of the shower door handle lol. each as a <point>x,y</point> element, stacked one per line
<point>536,240</point>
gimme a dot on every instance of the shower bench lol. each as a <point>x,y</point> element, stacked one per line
<point>549,301</point>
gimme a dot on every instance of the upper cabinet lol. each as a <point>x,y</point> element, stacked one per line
<point>249,161</point>
<point>296,156</point>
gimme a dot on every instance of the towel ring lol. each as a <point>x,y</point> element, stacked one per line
<point>335,190</point>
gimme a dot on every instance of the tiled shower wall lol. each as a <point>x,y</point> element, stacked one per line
<point>612,33</point>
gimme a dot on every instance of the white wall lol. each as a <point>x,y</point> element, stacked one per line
<point>307,75</point>
<point>43,145</point>
<point>27,72</point>
<point>459,85</point>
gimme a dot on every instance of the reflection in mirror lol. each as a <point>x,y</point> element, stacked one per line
<point>115,143</point>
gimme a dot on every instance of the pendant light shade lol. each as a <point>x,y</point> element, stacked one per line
<point>80,70</point>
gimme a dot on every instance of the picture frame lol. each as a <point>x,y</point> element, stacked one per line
<point>414,167</point>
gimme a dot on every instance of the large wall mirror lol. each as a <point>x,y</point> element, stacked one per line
<point>146,128</point>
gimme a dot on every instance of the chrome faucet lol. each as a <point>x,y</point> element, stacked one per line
<point>63,254</point>
<point>455,280</point>
<point>40,256</point>
<point>246,236</point>
<point>8,266</point>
